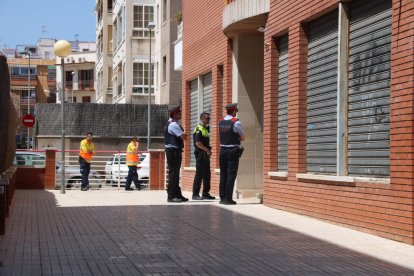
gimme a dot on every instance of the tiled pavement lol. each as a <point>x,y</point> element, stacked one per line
<point>137,233</point>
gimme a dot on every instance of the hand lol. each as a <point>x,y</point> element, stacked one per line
<point>208,152</point>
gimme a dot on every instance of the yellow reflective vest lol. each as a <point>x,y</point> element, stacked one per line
<point>132,154</point>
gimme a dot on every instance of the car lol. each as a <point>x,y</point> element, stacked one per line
<point>116,168</point>
<point>73,176</point>
<point>29,159</point>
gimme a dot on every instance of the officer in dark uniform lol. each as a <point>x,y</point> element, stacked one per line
<point>202,153</point>
<point>174,142</point>
<point>231,134</point>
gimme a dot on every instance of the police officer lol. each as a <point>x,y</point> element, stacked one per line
<point>174,142</point>
<point>231,134</point>
<point>132,160</point>
<point>86,152</point>
<point>202,153</point>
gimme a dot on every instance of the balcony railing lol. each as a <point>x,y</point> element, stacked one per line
<point>85,84</point>
<point>23,77</point>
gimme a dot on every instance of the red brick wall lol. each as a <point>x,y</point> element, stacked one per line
<point>50,170</point>
<point>382,209</point>
<point>205,49</point>
<point>157,170</point>
<point>30,178</point>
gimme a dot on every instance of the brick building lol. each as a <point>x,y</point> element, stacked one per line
<point>325,90</point>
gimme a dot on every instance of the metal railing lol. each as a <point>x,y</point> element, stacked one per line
<point>108,170</point>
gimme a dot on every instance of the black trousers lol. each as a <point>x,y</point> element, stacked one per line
<point>132,176</point>
<point>174,158</point>
<point>85,169</point>
<point>202,173</point>
<point>229,164</point>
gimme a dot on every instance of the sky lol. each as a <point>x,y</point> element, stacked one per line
<point>25,21</point>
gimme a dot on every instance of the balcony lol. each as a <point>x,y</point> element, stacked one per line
<point>243,17</point>
<point>86,84</point>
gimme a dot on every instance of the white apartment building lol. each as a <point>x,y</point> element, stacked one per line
<point>103,69</point>
<point>123,41</point>
<point>79,77</point>
<point>167,73</point>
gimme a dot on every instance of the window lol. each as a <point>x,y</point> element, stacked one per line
<point>348,95</point>
<point>140,78</point>
<point>282,104</point>
<point>164,11</point>
<point>164,69</point>
<point>86,79</point>
<point>86,99</point>
<point>200,101</point>
<point>142,16</point>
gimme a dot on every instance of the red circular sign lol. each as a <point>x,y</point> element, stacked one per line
<point>28,120</point>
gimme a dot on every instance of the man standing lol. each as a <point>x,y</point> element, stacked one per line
<point>87,150</point>
<point>231,134</point>
<point>174,143</point>
<point>132,160</point>
<point>202,153</point>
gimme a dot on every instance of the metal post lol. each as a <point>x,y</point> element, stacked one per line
<point>62,99</point>
<point>149,95</point>
<point>28,101</point>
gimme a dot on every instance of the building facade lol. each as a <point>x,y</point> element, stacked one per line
<point>325,91</point>
<point>127,37</point>
<point>79,77</point>
<point>103,58</point>
<point>167,76</point>
<point>33,80</point>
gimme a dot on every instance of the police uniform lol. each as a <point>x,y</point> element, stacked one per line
<point>202,134</point>
<point>230,130</point>
<point>173,151</point>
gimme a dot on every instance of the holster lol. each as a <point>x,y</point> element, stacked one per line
<point>240,151</point>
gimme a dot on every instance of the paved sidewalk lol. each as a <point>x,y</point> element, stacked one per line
<point>137,233</point>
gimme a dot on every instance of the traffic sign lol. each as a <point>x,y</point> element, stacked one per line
<point>28,120</point>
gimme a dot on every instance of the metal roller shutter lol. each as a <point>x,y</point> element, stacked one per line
<point>207,89</point>
<point>194,117</point>
<point>369,88</point>
<point>282,107</point>
<point>322,94</point>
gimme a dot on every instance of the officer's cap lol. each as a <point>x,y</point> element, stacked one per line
<point>174,109</point>
<point>232,107</point>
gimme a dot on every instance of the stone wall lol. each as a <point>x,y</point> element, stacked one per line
<point>8,118</point>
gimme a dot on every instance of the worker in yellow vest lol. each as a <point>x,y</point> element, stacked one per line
<point>87,150</point>
<point>132,160</point>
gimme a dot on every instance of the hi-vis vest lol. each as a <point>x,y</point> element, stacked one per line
<point>204,137</point>
<point>132,154</point>
<point>87,150</point>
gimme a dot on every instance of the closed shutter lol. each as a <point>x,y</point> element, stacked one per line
<point>282,107</point>
<point>207,89</point>
<point>194,117</point>
<point>369,88</point>
<point>322,94</point>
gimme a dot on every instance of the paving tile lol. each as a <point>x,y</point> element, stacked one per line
<point>105,233</point>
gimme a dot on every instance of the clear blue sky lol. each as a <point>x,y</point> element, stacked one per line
<point>25,21</point>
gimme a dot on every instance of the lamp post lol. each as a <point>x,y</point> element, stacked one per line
<point>62,49</point>
<point>28,98</point>
<point>151,26</point>
<point>73,74</point>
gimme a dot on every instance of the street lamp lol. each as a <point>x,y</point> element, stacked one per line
<point>28,98</point>
<point>62,49</point>
<point>73,73</point>
<point>151,26</point>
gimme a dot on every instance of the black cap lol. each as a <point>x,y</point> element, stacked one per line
<point>174,109</point>
<point>232,107</point>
